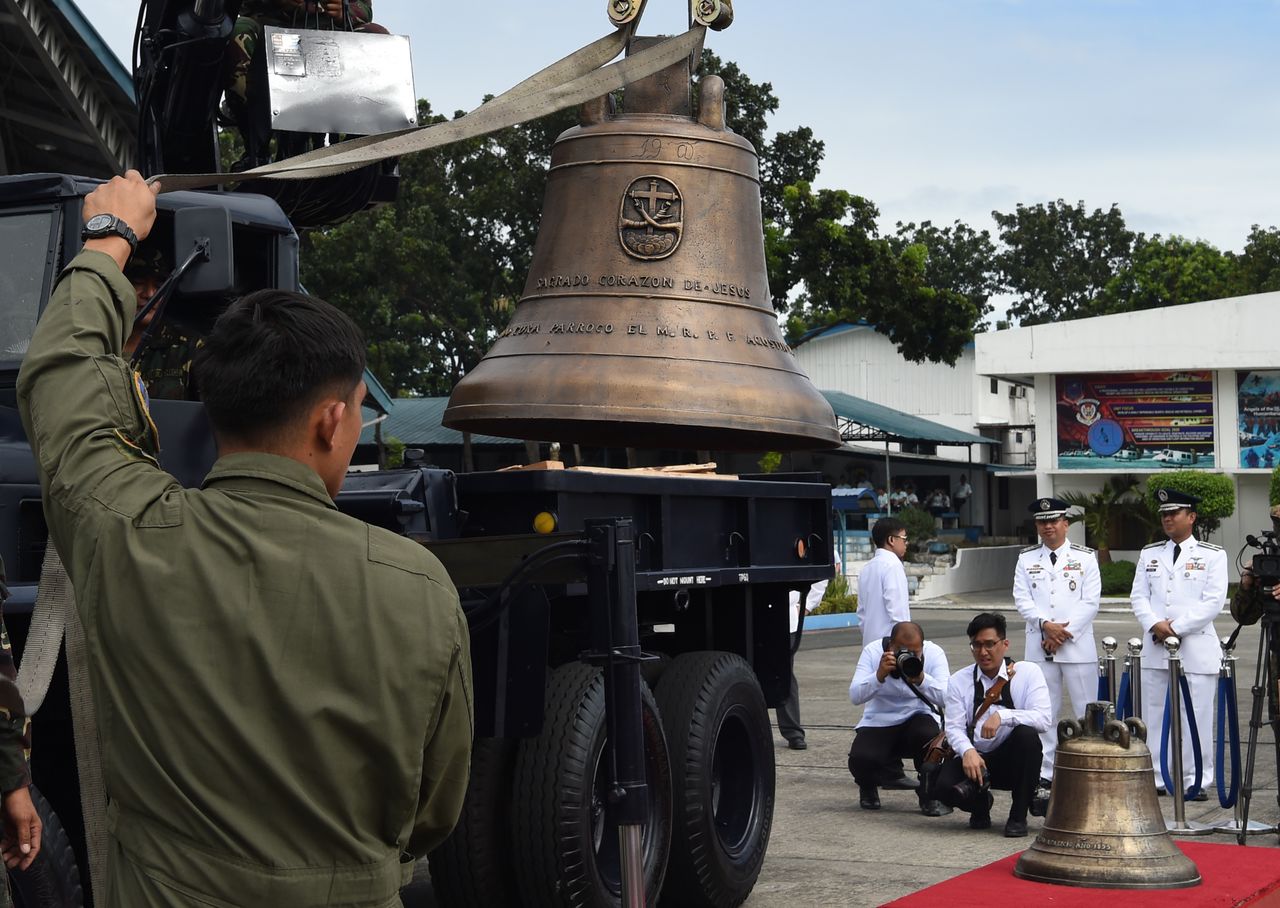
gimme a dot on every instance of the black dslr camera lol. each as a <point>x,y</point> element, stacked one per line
<point>909,664</point>
<point>967,794</point>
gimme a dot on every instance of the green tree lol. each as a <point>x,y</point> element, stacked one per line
<point>958,259</point>
<point>919,525</point>
<point>1104,510</point>
<point>1057,258</point>
<point>851,273</point>
<point>1258,266</point>
<point>431,278</point>
<point>770,462</point>
<point>1216,491</point>
<point>838,598</point>
<point>1168,272</point>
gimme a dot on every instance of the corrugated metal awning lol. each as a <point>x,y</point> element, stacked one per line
<point>862,420</point>
<point>416,421</point>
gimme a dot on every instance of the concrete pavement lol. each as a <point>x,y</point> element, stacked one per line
<point>826,851</point>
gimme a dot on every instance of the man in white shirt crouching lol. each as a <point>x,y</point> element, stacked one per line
<point>1000,747</point>
<point>896,723</point>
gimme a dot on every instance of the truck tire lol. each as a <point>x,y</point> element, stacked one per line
<point>53,879</point>
<point>565,847</point>
<point>721,746</point>
<point>470,869</point>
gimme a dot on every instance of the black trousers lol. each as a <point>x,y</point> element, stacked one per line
<point>877,752</point>
<point>788,710</point>
<point>1014,767</point>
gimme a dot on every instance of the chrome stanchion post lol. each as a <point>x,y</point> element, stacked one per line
<point>1109,645</point>
<point>1237,825</point>
<point>1135,677</point>
<point>1178,825</point>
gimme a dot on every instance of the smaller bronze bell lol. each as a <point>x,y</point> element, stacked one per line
<point>1105,828</point>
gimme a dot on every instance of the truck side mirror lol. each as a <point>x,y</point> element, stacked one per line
<point>211,229</point>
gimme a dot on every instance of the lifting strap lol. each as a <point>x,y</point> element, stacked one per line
<point>574,80</point>
<point>54,617</point>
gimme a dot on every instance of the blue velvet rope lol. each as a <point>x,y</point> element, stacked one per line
<point>1123,708</point>
<point>1104,689</point>
<point>1195,741</point>
<point>1227,716</point>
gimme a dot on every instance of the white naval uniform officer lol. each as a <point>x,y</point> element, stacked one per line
<point>1178,589</point>
<point>1057,588</point>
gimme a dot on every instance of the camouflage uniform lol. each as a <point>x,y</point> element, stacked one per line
<point>283,692</point>
<point>257,14</point>
<point>15,725</point>
<point>165,367</point>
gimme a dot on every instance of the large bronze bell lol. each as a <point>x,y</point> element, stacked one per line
<point>1104,827</point>
<point>646,319</point>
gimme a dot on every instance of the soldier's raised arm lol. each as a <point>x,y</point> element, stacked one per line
<point>83,409</point>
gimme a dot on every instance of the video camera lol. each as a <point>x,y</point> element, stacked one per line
<point>1265,564</point>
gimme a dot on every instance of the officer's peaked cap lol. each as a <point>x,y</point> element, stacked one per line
<point>1049,508</point>
<point>1174,500</point>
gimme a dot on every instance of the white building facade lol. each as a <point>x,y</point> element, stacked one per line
<point>1195,386</point>
<point>856,359</point>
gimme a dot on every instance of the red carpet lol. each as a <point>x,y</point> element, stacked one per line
<point>1231,875</point>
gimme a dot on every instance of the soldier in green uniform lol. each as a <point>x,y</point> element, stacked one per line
<point>165,366</point>
<point>20,843</point>
<point>283,692</point>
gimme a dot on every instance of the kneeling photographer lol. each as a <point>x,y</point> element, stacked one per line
<point>996,710</point>
<point>896,722</point>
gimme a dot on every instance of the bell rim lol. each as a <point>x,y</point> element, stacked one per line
<point>564,421</point>
<point>1107,884</point>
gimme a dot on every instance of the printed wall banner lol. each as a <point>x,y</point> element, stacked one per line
<point>1258,399</point>
<point>1135,421</point>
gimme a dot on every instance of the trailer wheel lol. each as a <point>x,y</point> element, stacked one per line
<point>53,879</point>
<point>721,744</point>
<point>565,839</point>
<point>470,869</point>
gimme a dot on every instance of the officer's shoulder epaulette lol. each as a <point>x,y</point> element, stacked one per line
<point>1030,548</point>
<point>1153,545</point>
<point>1209,545</point>
<point>1082,548</point>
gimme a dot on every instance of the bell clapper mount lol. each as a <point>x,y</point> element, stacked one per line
<point>713,14</point>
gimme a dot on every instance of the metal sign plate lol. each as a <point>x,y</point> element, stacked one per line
<point>335,81</point>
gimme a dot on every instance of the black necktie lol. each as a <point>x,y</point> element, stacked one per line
<point>1177,550</point>
<point>1053,557</point>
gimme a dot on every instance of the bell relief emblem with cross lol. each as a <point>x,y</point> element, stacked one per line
<point>651,221</point>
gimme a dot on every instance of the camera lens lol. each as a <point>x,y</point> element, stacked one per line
<point>909,663</point>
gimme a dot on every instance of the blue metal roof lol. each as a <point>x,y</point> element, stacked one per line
<point>378,394</point>
<point>119,73</point>
<point>416,422</point>
<point>862,420</point>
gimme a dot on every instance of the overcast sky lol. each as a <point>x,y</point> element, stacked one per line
<point>945,109</point>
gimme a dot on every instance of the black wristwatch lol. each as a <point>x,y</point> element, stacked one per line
<point>104,225</point>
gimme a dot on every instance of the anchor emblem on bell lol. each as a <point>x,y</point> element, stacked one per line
<point>651,221</point>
